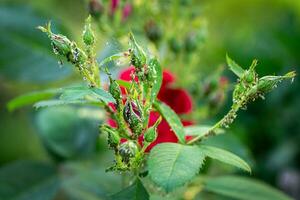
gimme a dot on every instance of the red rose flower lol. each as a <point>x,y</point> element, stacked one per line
<point>177,98</point>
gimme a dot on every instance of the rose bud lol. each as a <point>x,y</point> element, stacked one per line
<point>153,31</point>
<point>128,150</point>
<point>190,43</point>
<point>175,45</point>
<point>96,9</point>
<point>88,35</point>
<point>132,114</point>
<point>115,90</point>
<point>151,134</point>
<point>138,56</point>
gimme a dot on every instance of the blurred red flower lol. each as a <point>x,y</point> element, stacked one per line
<point>177,98</point>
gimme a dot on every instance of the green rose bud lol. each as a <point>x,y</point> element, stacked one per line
<point>60,43</point>
<point>151,73</point>
<point>96,9</point>
<point>138,56</point>
<point>153,31</point>
<point>190,43</point>
<point>88,35</point>
<point>128,150</point>
<point>113,136</point>
<point>151,134</point>
<point>114,89</point>
<point>267,83</point>
<point>64,47</point>
<point>175,45</point>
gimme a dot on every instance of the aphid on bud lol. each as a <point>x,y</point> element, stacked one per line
<point>88,35</point>
<point>114,89</point>
<point>132,114</point>
<point>128,150</point>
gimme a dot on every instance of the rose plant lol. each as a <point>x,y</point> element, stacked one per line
<point>145,131</point>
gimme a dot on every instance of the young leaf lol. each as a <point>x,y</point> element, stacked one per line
<point>172,119</point>
<point>234,67</point>
<point>155,66</point>
<point>136,191</point>
<point>224,156</point>
<point>243,188</point>
<point>200,130</point>
<point>172,165</point>
<point>31,98</point>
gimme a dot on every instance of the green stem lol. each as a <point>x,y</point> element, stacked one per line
<point>224,122</point>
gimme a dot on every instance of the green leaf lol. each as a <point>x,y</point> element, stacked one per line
<point>243,188</point>
<point>200,130</point>
<point>234,67</point>
<point>87,180</point>
<point>172,165</point>
<point>69,95</point>
<point>28,180</point>
<point>232,144</point>
<point>158,78</point>
<point>31,98</point>
<point>103,95</point>
<point>82,93</point>
<point>125,84</point>
<point>172,119</point>
<point>224,156</point>
<point>70,134</point>
<point>136,191</point>
<point>59,102</point>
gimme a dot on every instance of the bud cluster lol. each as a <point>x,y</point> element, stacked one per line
<point>249,87</point>
<point>83,60</point>
<point>132,111</point>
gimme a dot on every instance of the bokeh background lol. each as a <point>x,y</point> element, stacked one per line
<point>58,149</point>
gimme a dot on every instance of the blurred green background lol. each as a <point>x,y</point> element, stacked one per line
<point>34,142</point>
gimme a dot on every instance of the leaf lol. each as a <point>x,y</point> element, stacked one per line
<point>59,102</point>
<point>28,180</point>
<point>31,98</point>
<point>224,156</point>
<point>199,130</point>
<point>232,144</point>
<point>26,54</point>
<point>125,84</point>
<point>69,134</point>
<point>87,180</point>
<point>154,64</point>
<point>243,188</point>
<point>81,92</point>
<point>234,67</point>
<point>172,165</point>
<point>78,95</point>
<point>136,191</point>
<point>103,95</point>
<point>172,119</point>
